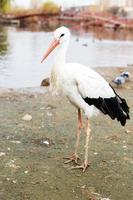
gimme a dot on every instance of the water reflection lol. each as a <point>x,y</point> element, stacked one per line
<point>111,34</point>
<point>3,41</point>
<point>22,50</point>
<point>104,33</point>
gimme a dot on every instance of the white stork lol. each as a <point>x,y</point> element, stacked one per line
<point>84,88</point>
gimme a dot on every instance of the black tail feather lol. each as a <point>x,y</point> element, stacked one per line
<point>115,107</point>
<point>123,103</point>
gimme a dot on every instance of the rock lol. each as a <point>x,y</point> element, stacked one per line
<point>44,142</point>
<point>26,172</point>
<point>14,181</point>
<point>16,141</point>
<point>49,114</point>
<point>27,117</point>
<point>127,131</point>
<point>45,82</point>
<point>2,154</point>
<point>13,166</point>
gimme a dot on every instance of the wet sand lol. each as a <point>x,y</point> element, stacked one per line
<point>32,150</point>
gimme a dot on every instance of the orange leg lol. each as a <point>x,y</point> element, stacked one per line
<point>85,164</point>
<point>75,156</point>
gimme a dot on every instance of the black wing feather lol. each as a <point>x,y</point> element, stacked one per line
<point>115,107</point>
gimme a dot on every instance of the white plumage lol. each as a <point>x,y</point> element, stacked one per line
<point>84,88</point>
<point>77,81</point>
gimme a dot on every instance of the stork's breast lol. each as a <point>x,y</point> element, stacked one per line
<point>54,82</point>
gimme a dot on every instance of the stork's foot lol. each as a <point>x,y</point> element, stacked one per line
<point>73,158</point>
<point>83,166</point>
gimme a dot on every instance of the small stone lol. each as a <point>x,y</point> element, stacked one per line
<point>126,158</point>
<point>2,154</point>
<point>42,108</point>
<point>27,117</point>
<point>8,137</point>
<point>46,142</point>
<point>45,82</point>
<point>13,166</point>
<point>49,114</point>
<point>26,172</point>
<point>14,181</point>
<point>83,187</point>
<point>127,131</point>
<point>50,107</point>
<point>125,147</point>
<point>16,141</point>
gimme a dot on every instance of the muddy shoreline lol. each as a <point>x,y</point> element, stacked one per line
<point>32,151</point>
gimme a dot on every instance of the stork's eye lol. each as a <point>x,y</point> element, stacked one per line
<point>62,35</point>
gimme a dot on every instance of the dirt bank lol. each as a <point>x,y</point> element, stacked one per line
<point>32,148</point>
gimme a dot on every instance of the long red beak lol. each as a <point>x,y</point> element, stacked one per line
<point>53,45</point>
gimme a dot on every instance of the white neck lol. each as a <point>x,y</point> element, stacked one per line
<point>60,57</point>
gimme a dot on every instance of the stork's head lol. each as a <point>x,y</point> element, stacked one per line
<point>61,37</point>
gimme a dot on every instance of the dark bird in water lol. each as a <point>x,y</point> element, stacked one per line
<point>85,44</point>
<point>77,39</point>
<point>85,89</point>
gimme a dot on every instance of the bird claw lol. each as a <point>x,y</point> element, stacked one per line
<point>82,166</point>
<point>74,158</point>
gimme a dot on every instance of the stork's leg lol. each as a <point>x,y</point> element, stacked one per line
<point>80,126</point>
<point>74,157</point>
<point>85,164</point>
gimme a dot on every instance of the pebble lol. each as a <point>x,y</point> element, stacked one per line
<point>8,137</point>
<point>127,131</point>
<point>27,117</point>
<point>49,114</point>
<point>2,154</point>
<point>42,108</point>
<point>125,147</point>
<point>83,187</point>
<point>14,181</point>
<point>46,142</point>
<point>26,172</point>
<point>105,199</point>
<point>13,166</point>
<point>16,141</point>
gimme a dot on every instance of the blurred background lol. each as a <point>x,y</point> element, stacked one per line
<point>102,36</point>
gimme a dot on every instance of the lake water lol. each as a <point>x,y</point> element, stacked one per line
<point>21,52</point>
